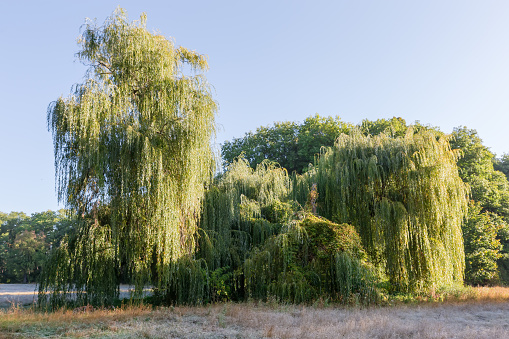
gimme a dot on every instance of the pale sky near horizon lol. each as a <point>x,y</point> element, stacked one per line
<point>444,63</point>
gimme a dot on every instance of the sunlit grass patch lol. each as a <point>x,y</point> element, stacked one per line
<point>29,322</point>
<point>460,294</point>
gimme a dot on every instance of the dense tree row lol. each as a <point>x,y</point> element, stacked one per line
<point>485,228</point>
<point>26,241</point>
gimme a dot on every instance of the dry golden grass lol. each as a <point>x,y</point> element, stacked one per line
<point>468,313</point>
<point>492,294</point>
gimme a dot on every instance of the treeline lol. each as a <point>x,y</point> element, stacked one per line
<point>26,242</point>
<point>301,212</point>
<point>387,208</point>
<point>485,230</point>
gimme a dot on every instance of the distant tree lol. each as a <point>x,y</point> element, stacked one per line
<point>294,146</point>
<point>490,191</point>
<point>53,225</point>
<point>488,187</point>
<point>11,225</point>
<point>277,143</point>
<point>26,242</point>
<point>394,127</point>
<point>27,255</point>
<point>482,247</point>
<point>502,164</point>
<point>317,132</point>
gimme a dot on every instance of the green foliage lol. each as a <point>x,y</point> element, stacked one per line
<point>395,127</point>
<point>314,133</point>
<point>256,245</point>
<point>134,166</point>
<point>188,283</point>
<point>326,238</point>
<point>221,284</point>
<point>279,212</point>
<point>131,143</point>
<point>502,164</point>
<point>294,146</point>
<point>312,259</point>
<point>489,187</point>
<point>277,143</point>
<point>25,242</point>
<point>28,254</point>
<point>406,200</point>
<point>82,270</point>
<point>242,210</point>
<point>232,222</point>
<point>482,248</point>
<point>490,190</point>
<point>353,281</point>
<point>476,158</point>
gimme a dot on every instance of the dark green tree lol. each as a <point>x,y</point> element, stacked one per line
<point>27,255</point>
<point>275,143</point>
<point>490,191</point>
<point>294,146</point>
<point>488,187</point>
<point>11,225</point>
<point>482,247</point>
<point>502,164</point>
<point>25,243</point>
<point>394,127</point>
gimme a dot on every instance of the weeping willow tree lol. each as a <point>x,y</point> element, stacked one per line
<point>241,210</point>
<point>406,200</point>
<point>131,143</point>
<point>258,243</point>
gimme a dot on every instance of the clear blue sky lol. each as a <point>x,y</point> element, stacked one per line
<point>444,63</point>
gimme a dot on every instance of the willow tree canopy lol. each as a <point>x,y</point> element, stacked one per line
<point>132,143</point>
<point>406,199</point>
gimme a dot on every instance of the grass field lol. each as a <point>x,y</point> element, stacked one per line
<point>480,313</point>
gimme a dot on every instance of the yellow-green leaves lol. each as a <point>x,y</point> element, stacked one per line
<point>133,139</point>
<point>406,200</point>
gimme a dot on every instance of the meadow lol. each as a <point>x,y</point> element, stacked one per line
<point>322,229</point>
<point>467,313</point>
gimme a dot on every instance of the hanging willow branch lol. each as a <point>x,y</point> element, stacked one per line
<point>135,138</point>
<point>236,210</point>
<point>406,200</point>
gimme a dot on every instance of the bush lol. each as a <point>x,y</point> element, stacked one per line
<point>313,259</point>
